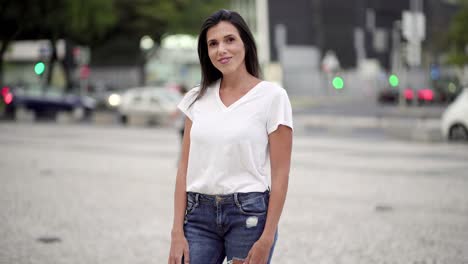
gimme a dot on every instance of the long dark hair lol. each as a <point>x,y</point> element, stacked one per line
<point>209,72</point>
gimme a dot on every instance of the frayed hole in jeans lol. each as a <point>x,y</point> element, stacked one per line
<point>251,222</point>
<point>236,261</point>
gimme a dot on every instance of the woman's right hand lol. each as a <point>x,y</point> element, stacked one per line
<point>179,249</point>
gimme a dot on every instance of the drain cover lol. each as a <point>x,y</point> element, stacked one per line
<point>49,239</point>
<point>383,208</point>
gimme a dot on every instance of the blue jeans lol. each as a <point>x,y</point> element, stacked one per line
<point>220,226</point>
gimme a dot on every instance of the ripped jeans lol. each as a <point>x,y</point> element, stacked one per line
<point>220,226</point>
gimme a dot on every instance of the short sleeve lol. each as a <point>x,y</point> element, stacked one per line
<point>185,104</point>
<point>280,112</point>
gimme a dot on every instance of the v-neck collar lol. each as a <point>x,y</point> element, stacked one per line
<point>220,102</point>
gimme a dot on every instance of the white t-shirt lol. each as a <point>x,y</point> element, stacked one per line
<point>229,145</point>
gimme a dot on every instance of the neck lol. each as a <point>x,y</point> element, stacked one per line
<point>236,80</point>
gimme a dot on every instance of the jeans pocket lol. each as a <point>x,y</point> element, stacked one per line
<point>253,206</point>
<point>191,204</point>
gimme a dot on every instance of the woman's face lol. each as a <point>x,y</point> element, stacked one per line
<point>225,48</point>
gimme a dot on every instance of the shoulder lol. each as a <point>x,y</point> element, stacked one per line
<point>195,90</point>
<point>273,90</point>
<point>192,93</point>
<point>189,98</point>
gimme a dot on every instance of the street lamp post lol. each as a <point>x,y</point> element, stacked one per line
<point>146,47</point>
<point>414,31</point>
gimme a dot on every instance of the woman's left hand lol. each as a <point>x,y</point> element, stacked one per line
<point>259,252</point>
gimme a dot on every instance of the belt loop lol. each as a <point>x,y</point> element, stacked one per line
<point>196,198</point>
<point>236,199</point>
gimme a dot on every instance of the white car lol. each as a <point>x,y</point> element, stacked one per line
<point>148,105</point>
<point>455,118</point>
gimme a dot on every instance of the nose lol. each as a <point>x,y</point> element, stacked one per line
<point>221,49</point>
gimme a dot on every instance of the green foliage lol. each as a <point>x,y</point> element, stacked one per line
<point>191,15</point>
<point>458,36</point>
<point>87,21</point>
<point>91,19</point>
<point>83,21</point>
<point>156,18</point>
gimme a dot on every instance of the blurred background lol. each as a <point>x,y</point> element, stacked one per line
<point>89,129</point>
<point>365,58</point>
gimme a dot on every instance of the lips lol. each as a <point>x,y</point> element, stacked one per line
<point>224,60</point>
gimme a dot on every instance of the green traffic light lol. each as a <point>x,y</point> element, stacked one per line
<point>338,83</point>
<point>39,68</point>
<point>452,87</point>
<point>393,80</point>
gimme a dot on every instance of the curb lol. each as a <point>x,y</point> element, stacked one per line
<point>414,129</point>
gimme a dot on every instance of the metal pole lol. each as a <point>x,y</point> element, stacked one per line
<point>396,60</point>
<point>416,6</point>
<point>317,25</point>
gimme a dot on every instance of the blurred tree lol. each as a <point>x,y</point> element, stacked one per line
<point>83,22</point>
<point>158,17</point>
<point>458,36</point>
<point>154,18</point>
<point>12,14</point>
<point>95,22</point>
<point>189,15</point>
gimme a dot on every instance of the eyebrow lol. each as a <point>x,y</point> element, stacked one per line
<point>227,36</point>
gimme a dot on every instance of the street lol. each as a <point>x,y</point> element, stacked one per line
<point>82,193</point>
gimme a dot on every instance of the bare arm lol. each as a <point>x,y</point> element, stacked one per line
<point>180,194</point>
<point>179,244</point>
<point>280,158</point>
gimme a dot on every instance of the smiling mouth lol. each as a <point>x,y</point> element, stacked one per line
<point>224,60</point>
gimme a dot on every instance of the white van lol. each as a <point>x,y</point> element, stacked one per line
<point>455,119</point>
<point>148,105</point>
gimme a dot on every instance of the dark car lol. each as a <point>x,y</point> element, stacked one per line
<point>423,96</point>
<point>447,89</point>
<point>44,102</point>
<point>391,96</point>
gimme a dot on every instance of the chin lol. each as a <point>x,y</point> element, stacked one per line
<point>227,70</point>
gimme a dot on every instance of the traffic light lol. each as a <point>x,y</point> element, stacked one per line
<point>39,68</point>
<point>393,80</point>
<point>338,83</point>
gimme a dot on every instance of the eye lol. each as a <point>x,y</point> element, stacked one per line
<point>212,44</point>
<point>230,39</point>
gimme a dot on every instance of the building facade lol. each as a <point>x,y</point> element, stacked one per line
<point>358,29</point>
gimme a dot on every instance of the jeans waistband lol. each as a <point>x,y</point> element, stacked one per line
<point>234,198</point>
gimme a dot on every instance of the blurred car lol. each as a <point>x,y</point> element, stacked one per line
<point>424,96</point>
<point>44,102</point>
<point>447,88</point>
<point>107,97</point>
<point>150,105</point>
<point>388,96</point>
<point>391,96</point>
<point>455,118</point>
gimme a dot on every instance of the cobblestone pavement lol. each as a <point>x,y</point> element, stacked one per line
<point>86,194</point>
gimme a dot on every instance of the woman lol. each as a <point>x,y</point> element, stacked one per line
<point>233,175</point>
